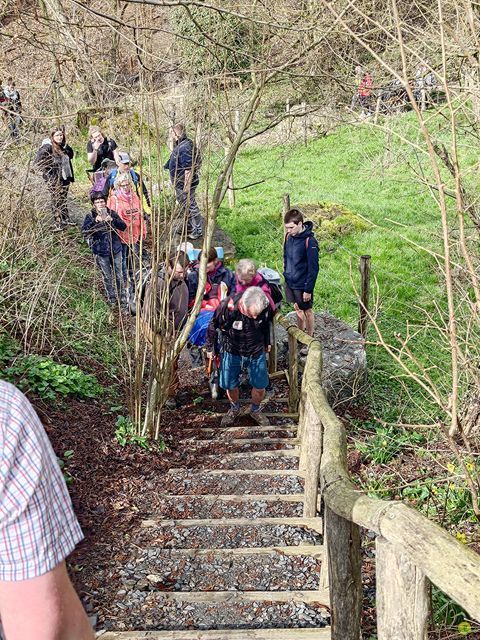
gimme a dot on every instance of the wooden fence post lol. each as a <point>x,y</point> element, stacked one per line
<point>402,595</point>
<point>293,393</point>
<point>364,295</point>
<point>344,571</point>
<point>286,203</point>
<point>272,356</point>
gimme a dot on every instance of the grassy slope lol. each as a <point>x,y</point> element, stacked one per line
<point>351,167</point>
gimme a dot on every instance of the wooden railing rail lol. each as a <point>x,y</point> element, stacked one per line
<point>410,549</point>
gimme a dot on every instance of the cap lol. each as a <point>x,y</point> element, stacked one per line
<point>124,158</point>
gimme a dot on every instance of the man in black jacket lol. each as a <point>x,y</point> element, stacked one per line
<point>184,165</point>
<point>100,229</point>
<point>244,322</point>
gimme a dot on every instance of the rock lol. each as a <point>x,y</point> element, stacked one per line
<point>344,358</point>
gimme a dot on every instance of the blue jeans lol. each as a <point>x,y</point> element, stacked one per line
<point>111,269</point>
<point>231,367</point>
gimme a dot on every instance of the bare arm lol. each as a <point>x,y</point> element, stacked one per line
<point>44,608</point>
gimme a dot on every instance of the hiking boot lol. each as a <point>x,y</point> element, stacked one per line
<point>230,417</point>
<point>258,416</point>
<point>171,403</point>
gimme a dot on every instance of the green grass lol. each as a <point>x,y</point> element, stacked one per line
<point>351,167</point>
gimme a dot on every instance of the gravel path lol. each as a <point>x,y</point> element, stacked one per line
<point>228,537</point>
<point>194,483</point>
<point>160,569</point>
<point>153,611</point>
<point>195,507</point>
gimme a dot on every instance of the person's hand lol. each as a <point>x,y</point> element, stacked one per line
<point>96,144</point>
<point>269,348</point>
<point>108,218</point>
<point>307,296</point>
<point>210,355</point>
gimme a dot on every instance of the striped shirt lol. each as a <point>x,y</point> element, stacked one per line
<point>38,528</point>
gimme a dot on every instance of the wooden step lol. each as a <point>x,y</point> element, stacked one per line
<point>255,427</point>
<point>309,597</point>
<point>310,523</point>
<point>291,453</point>
<point>239,472</point>
<point>248,497</point>
<point>224,634</point>
<point>313,550</point>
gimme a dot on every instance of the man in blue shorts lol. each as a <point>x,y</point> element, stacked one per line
<point>244,322</point>
<point>300,261</point>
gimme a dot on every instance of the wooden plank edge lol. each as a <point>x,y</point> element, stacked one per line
<point>232,497</point>
<point>310,523</point>
<point>322,633</point>
<point>241,472</point>
<point>311,550</point>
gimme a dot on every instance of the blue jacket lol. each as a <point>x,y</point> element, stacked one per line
<point>101,236</point>
<point>300,260</point>
<point>184,156</point>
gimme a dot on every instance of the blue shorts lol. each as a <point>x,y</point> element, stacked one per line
<point>232,365</point>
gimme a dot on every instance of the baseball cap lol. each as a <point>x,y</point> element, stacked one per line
<point>124,158</point>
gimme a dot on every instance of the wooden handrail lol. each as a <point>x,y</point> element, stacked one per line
<point>404,532</point>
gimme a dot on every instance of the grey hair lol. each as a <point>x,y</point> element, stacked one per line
<point>255,298</point>
<point>246,267</point>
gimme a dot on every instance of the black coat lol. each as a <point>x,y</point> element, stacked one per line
<point>102,237</point>
<point>51,163</point>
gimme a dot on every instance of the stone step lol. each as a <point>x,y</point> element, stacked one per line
<point>224,634</point>
<point>230,506</point>
<point>232,533</point>
<point>216,610</point>
<point>191,482</point>
<point>158,569</point>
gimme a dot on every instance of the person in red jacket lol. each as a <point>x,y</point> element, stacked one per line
<point>126,203</point>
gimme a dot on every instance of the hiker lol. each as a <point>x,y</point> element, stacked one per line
<point>184,165</point>
<point>363,94</point>
<point>300,261</point>
<point>100,148</point>
<point>55,160</point>
<point>218,277</point>
<point>124,167</point>
<point>246,275</point>
<point>13,107</point>
<point>244,321</point>
<point>220,282</point>
<point>100,178</point>
<point>126,203</point>
<point>164,311</point>
<point>38,531</point>
<point>100,228</point>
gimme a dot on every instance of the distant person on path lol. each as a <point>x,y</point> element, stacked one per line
<point>100,228</point>
<point>246,275</point>
<point>300,261</point>
<point>244,322</point>
<point>100,148</point>
<point>164,311</point>
<point>124,167</point>
<point>38,531</point>
<point>363,95</point>
<point>184,165</point>
<point>13,106</point>
<point>54,158</point>
<point>126,203</point>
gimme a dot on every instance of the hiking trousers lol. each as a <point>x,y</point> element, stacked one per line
<point>188,206</point>
<point>59,194</point>
<point>111,270</point>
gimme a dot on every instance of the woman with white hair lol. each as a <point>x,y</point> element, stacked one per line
<point>246,275</point>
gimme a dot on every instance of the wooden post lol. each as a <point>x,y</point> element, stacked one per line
<point>344,571</point>
<point>292,374</point>
<point>305,123</point>
<point>377,108</point>
<point>402,596</point>
<point>364,295</point>
<point>286,203</point>
<point>310,456</point>
<point>272,356</point>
